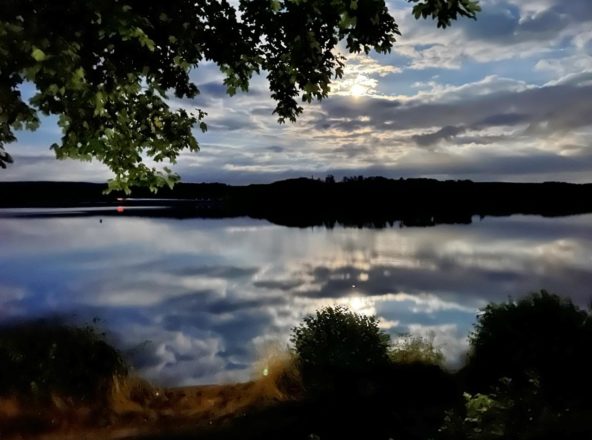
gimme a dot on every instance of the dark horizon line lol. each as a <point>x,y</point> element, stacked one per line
<point>316,179</point>
<point>304,202</point>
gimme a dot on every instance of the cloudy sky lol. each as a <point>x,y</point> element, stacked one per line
<point>506,97</point>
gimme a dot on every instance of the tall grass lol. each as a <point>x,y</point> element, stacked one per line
<point>276,374</point>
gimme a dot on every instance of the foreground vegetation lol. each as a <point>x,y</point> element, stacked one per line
<point>526,377</point>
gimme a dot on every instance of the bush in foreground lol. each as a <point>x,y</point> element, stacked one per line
<point>334,343</point>
<point>361,387</point>
<point>542,339</point>
<point>40,359</point>
<point>527,374</point>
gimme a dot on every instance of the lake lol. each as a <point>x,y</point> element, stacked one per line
<point>197,301</point>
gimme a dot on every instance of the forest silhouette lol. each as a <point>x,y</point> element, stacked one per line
<point>374,202</point>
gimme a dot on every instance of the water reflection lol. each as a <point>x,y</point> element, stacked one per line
<point>193,300</point>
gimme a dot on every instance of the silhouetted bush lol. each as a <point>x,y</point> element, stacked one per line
<point>337,349</point>
<point>43,358</point>
<point>540,339</point>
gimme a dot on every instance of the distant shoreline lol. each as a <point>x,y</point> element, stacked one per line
<point>360,202</point>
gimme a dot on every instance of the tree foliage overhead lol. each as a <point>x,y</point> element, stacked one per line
<point>107,68</point>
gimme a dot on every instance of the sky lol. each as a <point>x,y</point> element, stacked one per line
<point>505,98</point>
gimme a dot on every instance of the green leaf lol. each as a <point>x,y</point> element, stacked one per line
<point>276,5</point>
<point>38,54</point>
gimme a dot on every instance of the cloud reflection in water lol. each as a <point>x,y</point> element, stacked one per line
<point>194,300</point>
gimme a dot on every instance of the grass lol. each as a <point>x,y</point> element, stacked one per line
<point>119,403</point>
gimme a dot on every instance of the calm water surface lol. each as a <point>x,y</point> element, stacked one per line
<point>197,301</point>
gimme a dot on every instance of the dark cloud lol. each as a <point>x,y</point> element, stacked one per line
<point>278,284</point>
<point>214,89</point>
<point>548,22</point>
<point>226,272</point>
<point>445,133</point>
<point>482,140</point>
<point>499,23</point>
<point>502,119</point>
<point>262,111</point>
<point>203,311</point>
<point>351,150</point>
<point>503,23</point>
<point>275,149</point>
<point>577,10</point>
<point>234,306</point>
<point>354,109</point>
<point>231,122</point>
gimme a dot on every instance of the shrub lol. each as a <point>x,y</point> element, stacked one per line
<point>335,344</point>
<point>38,359</point>
<point>541,337</point>
<point>415,350</point>
<point>504,414</point>
<point>483,417</point>
<point>345,367</point>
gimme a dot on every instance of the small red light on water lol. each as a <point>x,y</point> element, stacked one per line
<point>120,209</point>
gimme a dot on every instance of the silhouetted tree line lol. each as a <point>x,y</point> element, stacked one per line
<point>357,201</point>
